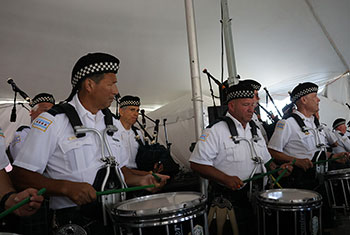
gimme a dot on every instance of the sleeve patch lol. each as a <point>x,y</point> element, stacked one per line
<point>41,123</point>
<point>17,139</point>
<point>280,125</point>
<point>203,137</point>
<point>2,134</point>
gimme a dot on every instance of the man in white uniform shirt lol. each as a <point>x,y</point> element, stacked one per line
<point>65,163</point>
<point>40,103</point>
<point>128,113</point>
<point>290,142</point>
<point>339,130</point>
<point>225,162</point>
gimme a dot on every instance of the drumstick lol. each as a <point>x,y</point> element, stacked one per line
<point>158,179</point>
<point>21,203</point>
<point>328,160</point>
<point>112,191</point>
<point>262,175</point>
<point>284,171</point>
<point>274,180</point>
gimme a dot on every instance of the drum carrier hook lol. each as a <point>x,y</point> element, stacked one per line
<point>110,164</point>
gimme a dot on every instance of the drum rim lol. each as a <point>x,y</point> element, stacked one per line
<point>184,206</point>
<point>294,204</point>
<point>339,173</point>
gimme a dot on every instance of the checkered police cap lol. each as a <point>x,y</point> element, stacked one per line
<point>129,100</point>
<point>338,122</point>
<point>93,63</point>
<point>303,89</point>
<point>256,86</point>
<point>42,97</point>
<point>239,91</point>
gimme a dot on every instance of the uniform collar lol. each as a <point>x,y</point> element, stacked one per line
<point>82,111</point>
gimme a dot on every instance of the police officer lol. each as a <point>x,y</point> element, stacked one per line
<point>67,165</point>
<point>8,195</point>
<point>40,103</point>
<point>339,129</point>
<point>226,162</point>
<point>128,113</point>
<point>299,138</point>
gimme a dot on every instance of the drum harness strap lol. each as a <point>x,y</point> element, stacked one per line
<point>109,160</point>
<point>316,133</point>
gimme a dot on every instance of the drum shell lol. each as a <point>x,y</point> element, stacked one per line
<point>125,215</point>
<point>280,214</point>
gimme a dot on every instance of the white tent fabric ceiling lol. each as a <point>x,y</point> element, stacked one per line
<point>277,42</point>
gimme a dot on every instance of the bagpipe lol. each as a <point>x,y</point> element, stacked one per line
<point>151,155</point>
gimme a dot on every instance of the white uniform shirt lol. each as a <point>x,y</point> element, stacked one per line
<point>216,148</point>
<point>343,142</point>
<point>330,135</point>
<point>128,140</point>
<point>4,161</point>
<point>261,127</point>
<point>52,149</point>
<point>17,142</point>
<point>288,138</point>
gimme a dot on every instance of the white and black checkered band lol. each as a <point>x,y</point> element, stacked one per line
<point>129,103</point>
<point>240,94</point>
<point>256,87</point>
<point>96,68</point>
<point>303,92</point>
<point>48,99</point>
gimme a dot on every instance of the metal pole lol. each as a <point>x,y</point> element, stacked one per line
<point>195,78</point>
<point>230,55</point>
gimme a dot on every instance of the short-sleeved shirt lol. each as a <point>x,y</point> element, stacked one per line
<point>4,161</point>
<point>52,149</point>
<point>330,136</point>
<point>17,141</point>
<point>288,138</point>
<point>216,148</point>
<point>343,142</point>
<point>128,140</point>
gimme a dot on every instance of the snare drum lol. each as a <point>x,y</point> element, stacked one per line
<point>289,211</point>
<point>338,189</point>
<point>166,213</point>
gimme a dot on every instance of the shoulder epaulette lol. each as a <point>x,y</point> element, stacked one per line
<point>21,128</point>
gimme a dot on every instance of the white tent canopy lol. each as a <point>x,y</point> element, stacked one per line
<point>277,42</point>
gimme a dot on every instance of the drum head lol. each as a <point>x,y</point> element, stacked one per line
<point>158,203</point>
<point>290,198</point>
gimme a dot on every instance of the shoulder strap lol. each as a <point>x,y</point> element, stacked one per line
<point>71,113</point>
<point>73,117</point>
<point>299,121</point>
<point>21,128</point>
<point>108,119</point>
<point>316,121</point>
<point>253,130</point>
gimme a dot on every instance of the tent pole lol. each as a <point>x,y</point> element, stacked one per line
<point>195,79</point>
<point>230,55</point>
